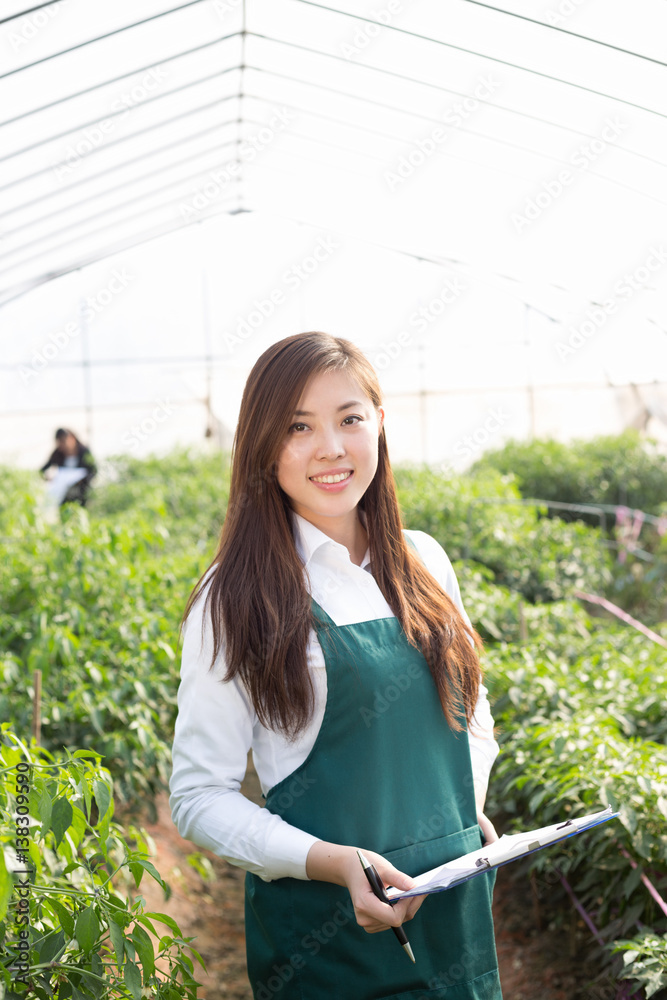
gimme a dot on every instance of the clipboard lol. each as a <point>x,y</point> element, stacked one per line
<point>509,847</point>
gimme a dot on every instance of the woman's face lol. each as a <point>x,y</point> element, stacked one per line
<point>334,435</point>
<point>68,444</point>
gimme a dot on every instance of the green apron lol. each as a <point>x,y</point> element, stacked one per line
<point>386,773</point>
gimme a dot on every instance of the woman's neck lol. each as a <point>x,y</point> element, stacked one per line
<point>350,532</point>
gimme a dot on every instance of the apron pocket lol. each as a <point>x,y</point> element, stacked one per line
<point>421,857</point>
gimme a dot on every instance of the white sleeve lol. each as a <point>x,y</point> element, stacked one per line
<point>483,746</point>
<point>212,736</point>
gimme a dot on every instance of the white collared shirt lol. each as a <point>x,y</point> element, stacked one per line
<point>217,725</point>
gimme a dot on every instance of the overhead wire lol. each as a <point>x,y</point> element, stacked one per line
<point>301,156</point>
<point>582,170</point>
<point>123,186</point>
<point>122,139</point>
<point>110,115</point>
<point>100,38</point>
<point>24,13</point>
<point>98,215</point>
<point>116,79</point>
<point>439,260</point>
<point>168,204</point>
<point>27,285</point>
<point>342,122</point>
<point>566,31</point>
<point>417,114</point>
<point>483,55</point>
<point>242,94</point>
<point>109,170</point>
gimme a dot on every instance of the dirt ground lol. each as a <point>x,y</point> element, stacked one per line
<point>534,964</point>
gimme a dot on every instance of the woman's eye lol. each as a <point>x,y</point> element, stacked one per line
<point>296,427</point>
<point>355,418</point>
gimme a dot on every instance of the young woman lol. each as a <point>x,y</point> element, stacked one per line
<point>71,453</point>
<point>334,643</point>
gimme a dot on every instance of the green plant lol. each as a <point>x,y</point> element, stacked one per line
<point>645,961</point>
<point>614,469</point>
<point>543,559</point>
<point>66,931</point>
<point>94,603</point>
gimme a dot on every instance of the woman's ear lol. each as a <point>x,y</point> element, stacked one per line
<point>380,413</point>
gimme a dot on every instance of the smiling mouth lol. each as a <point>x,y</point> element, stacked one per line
<point>331,479</point>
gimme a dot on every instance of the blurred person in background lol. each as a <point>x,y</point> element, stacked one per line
<point>70,453</point>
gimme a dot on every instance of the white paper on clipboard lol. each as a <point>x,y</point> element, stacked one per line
<point>61,482</point>
<point>508,848</point>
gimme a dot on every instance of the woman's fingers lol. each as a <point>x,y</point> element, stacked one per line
<point>414,903</point>
<point>372,913</point>
<point>488,829</point>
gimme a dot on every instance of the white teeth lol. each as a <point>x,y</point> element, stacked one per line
<point>331,479</point>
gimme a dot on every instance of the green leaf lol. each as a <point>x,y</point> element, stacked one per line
<point>144,947</point>
<point>132,978</point>
<point>143,919</point>
<point>11,756</point>
<point>139,865</point>
<point>102,797</point>
<point>117,940</point>
<point>166,919</point>
<point>66,918</point>
<point>87,929</point>
<point>61,818</point>
<point>97,969</point>
<point>44,809</point>
<point>51,946</point>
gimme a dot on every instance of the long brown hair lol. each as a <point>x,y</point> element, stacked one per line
<point>259,604</point>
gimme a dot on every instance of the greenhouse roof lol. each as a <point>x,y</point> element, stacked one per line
<point>463,132</point>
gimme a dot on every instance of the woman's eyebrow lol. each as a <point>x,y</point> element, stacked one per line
<point>345,406</point>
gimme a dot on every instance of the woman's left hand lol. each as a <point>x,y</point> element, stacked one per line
<point>488,829</point>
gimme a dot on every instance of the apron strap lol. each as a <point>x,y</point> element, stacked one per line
<point>320,614</point>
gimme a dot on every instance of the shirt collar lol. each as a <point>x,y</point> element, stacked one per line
<point>309,539</point>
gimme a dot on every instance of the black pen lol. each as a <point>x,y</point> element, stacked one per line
<point>376,885</point>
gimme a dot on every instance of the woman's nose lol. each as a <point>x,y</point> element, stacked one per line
<point>330,444</point>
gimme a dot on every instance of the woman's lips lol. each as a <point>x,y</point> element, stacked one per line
<point>333,487</point>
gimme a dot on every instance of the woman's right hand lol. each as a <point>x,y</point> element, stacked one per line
<point>340,864</point>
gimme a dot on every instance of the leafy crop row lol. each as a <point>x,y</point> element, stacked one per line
<point>94,601</point>
<point>65,931</point>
